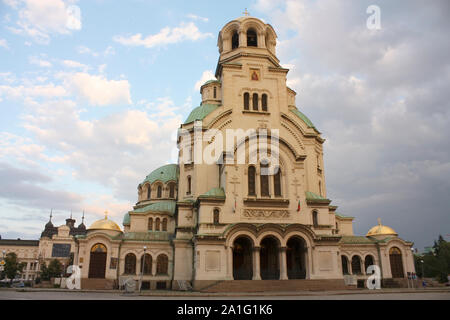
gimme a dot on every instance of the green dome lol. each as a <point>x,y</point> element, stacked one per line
<point>210,81</point>
<point>201,112</point>
<point>304,118</point>
<point>165,174</point>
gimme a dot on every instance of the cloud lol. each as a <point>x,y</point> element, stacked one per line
<point>98,90</point>
<point>40,19</point>
<point>47,90</point>
<point>167,35</point>
<point>74,65</point>
<point>379,99</point>
<point>195,17</point>
<point>4,43</point>
<point>85,50</point>
<point>39,62</point>
<point>206,75</point>
<point>116,151</point>
<point>23,187</point>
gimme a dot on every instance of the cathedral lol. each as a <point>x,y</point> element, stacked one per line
<point>205,222</point>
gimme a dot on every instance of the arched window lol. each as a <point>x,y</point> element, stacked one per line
<point>215,92</point>
<point>356,265</point>
<point>149,191</point>
<point>264,102</point>
<point>264,179</point>
<point>162,263</point>
<point>164,224</point>
<point>315,217</point>
<point>251,181</point>
<point>146,264</point>
<point>252,39</point>
<point>216,216</point>
<point>150,224</point>
<point>157,224</point>
<point>277,183</point>
<point>159,193</point>
<point>255,101</point>
<point>188,185</point>
<point>368,261</point>
<point>235,40</point>
<point>172,190</point>
<point>246,101</point>
<point>344,265</point>
<point>130,264</point>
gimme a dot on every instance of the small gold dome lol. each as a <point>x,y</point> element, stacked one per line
<point>105,224</point>
<point>381,230</point>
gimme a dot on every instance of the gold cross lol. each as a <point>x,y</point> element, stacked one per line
<point>379,221</point>
<point>246,12</point>
<point>106,214</point>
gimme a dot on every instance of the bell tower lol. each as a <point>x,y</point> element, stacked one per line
<point>246,36</point>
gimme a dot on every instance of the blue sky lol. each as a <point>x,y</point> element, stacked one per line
<point>90,104</point>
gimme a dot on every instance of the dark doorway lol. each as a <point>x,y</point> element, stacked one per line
<point>97,262</point>
<point>269,259</point>
<point>242,259</point>
<point>296,258</point>
<point>395,258</point>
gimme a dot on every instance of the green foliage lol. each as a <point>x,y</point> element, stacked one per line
<point>435,264</point>
<point>53,270</point>
<point>12,266</point>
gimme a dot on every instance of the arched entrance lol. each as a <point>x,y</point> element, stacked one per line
<point>242,259</point>
<point>97,262</point>
<point>269,259</point>
<point>395,258</point>
<point>296,258</point>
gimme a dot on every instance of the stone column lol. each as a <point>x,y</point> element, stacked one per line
<point>256,260</point>
<point>283,269</point>
<point>230,263</point>
<point>153,267</point>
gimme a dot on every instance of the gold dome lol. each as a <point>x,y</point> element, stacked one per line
<point>105,224</point>
<point>381,230</point>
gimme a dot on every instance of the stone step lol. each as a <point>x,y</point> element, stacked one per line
<point>97,284</point>
<point>275,285</point>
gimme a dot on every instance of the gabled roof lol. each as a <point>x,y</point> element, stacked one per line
<point>167,206</point>
<point>311,197</point>
<point>343,216</point>
<point>216,193</point>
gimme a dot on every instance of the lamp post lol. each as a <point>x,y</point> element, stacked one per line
<point>423,274</point>
<point>142,269</point>
<point>4,262</point>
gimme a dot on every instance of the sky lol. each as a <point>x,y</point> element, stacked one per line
<point>92,93</point>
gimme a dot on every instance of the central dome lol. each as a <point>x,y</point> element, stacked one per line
<point>381,230</point>
<point>105,224</point>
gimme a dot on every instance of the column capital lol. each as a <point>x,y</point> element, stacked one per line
<point>256,248</point>
<point>283,249</point>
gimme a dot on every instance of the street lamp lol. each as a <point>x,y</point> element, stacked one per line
<point>142,269</point>
<point>423,274</point>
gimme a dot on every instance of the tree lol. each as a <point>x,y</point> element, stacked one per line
<point>53,270</point>
<point>436,264</point>
<point>12,266</point>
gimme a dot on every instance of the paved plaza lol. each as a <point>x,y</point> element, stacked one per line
<point>30,294</point>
